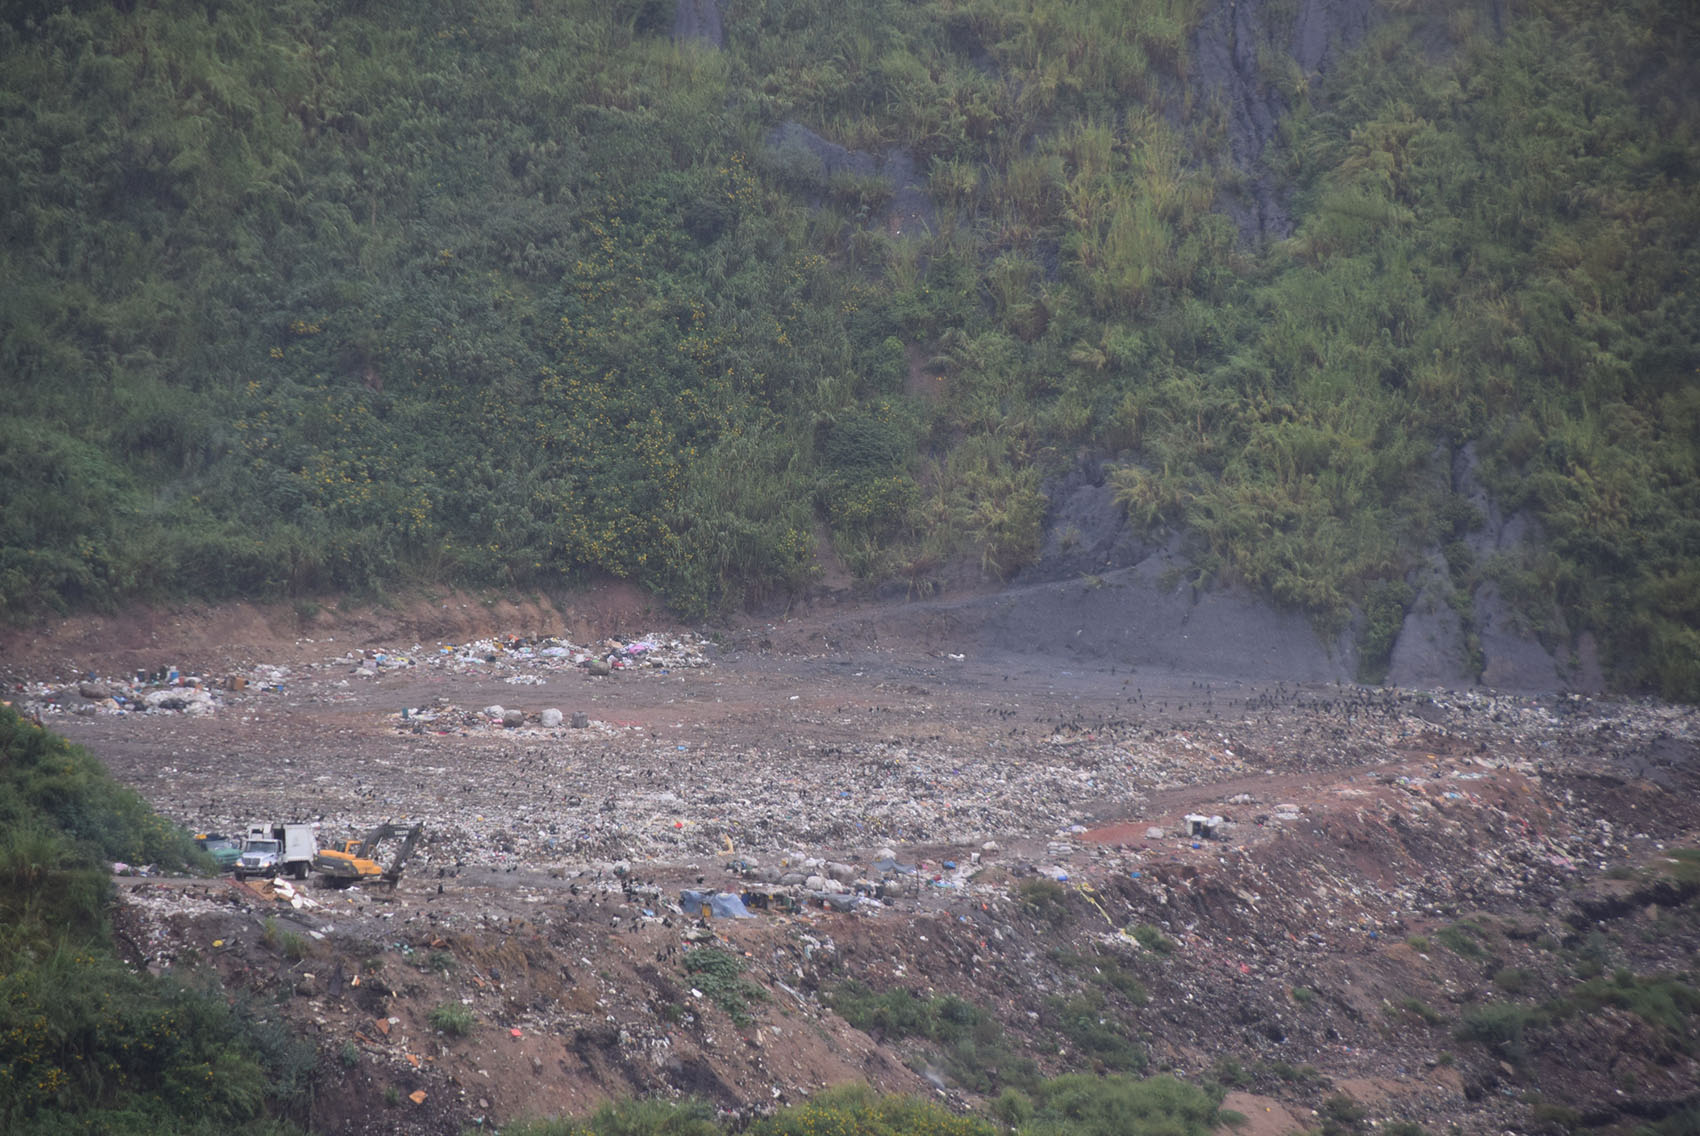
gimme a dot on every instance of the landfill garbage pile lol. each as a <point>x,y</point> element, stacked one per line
<point>530,660</point>
<point>516,660</point>
<point>162,692</point>
<point>675,885</point>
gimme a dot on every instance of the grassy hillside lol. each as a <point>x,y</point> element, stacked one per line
<point>326,295</point>
<point>86,1043</point>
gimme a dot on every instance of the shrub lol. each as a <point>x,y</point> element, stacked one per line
<point>971,1043</point>
<point>171,1056</point>
<point>1097,1033</point>
<point>1417,1008</point>
<point>453,1019</point>
<point>1078,1105</point>
<point>1462,940</point>
<point>857,1111</point>
<point>1501,1026</point>
<point>1044,899</point>
<point>1513,979</point>
<point>1153,939</point>
<point>1341,1115</point>
<point>630,1118</point>
<point>718,974</point>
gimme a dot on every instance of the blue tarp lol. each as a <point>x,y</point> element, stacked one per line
<point>718,905</point>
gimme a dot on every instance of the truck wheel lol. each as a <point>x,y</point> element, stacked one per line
<point>300,871</point>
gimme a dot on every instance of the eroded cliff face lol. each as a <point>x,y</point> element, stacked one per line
<point>1246,55</point>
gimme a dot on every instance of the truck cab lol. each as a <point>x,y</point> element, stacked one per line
<point>259,857</point>
<point>278,849</point>
<point>224,851</point>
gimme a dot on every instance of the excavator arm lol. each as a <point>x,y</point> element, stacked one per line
<point>392,874</point>
<point>358,859</point>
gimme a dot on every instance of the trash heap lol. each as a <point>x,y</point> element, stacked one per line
<point>529,660</point>
<point>165,691</point>
<point>518,660</point>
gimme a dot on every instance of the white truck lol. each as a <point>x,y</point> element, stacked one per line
<point>277,849</point>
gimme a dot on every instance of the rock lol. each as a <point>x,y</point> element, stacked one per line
<point>512,718</point>
<point>551,718</point>
<point>580,719</point>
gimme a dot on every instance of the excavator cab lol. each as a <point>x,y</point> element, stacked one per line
<point>356,861</point>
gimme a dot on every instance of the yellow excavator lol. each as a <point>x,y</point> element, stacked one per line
<point>355,861</point>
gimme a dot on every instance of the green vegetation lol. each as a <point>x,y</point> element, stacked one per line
<point>1044,899</point>
<point>1513,979</point>
<point>1669,1004</point>
<point>973,1047</point>
<point>857,1111</point>
<point>1502,1027</point>
<point>87,1043</point>
<point>309,297</point>
<point>1681,865</point>
<point>1065,1106</point>
<point>719,974</point>
<point>1417,1008</point>
<point>1153,939</point>
<point>1462,938</point>
<point>1098,1031</point>
<point>1079,1105</point>
<point>452,1018</point>
<point>1342,1116</point>
<point>288,943</point>
<point>1109,970</point>
<point>1683,1123</point>
<point>630,1118</point>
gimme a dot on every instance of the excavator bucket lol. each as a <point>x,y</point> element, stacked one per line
<point>393,874</point>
